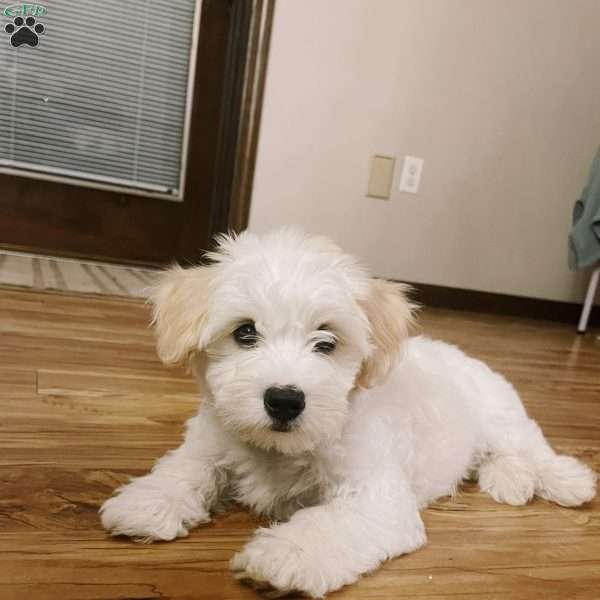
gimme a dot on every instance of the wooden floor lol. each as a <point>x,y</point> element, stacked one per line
<point>84,404</point>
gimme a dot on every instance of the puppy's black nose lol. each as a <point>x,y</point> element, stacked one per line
<point>284,403</point>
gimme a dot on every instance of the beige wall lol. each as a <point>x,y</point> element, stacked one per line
<point>500,97</point>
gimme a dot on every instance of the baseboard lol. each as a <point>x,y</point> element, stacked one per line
<point>501,304</point>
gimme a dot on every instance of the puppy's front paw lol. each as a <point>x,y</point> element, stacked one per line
<point>277,566</point>
<point>146,512</point>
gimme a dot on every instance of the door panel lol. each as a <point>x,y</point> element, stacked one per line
<point>64,219</point>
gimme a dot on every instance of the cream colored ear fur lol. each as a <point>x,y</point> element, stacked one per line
<point>179,312</point>
<point>390,315</point>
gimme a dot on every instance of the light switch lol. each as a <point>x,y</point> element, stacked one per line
<point>382,173</point>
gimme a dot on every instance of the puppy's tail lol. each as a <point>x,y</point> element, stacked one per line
<point>514,475</point>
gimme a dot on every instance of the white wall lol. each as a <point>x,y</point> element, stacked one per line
<point>500,97</point>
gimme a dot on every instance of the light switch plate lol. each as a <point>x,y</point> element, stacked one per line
<point>380,178</point>
<point>411,174</point>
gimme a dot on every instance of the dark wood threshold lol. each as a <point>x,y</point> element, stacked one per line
<point>91,257</point>
<point>438,296</point>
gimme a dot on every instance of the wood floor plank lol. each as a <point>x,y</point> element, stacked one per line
<point>85,405</point>
<point>74,382</point>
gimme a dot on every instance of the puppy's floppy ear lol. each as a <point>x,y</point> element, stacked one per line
<point>390,315</point>
<point>179,312</point>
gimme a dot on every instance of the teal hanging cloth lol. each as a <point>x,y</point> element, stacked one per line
<point>584,239</point>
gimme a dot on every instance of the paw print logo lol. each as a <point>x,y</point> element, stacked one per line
<point>24,31</point>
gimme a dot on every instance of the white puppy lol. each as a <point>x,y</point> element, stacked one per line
<point>319,412</point>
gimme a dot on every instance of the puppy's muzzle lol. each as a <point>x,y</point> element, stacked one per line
<point>284,404</point>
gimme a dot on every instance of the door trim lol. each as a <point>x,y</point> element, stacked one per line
<point>247,67</point>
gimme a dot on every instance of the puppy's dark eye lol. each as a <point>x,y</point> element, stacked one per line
<point>325,346</point>
<point>245,335</point>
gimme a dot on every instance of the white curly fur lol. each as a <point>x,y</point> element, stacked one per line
<point>391,423</point>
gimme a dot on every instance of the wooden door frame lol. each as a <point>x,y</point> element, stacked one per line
<point>242,107</point>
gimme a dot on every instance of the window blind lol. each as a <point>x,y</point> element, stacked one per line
<point>102,97</point>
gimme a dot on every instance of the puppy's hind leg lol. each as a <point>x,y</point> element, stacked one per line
<point>521,464</point>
